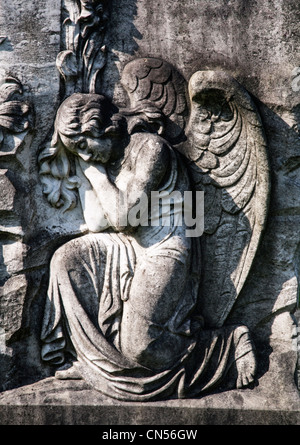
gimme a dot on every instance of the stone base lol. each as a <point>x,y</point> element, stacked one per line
<point>57,402</point>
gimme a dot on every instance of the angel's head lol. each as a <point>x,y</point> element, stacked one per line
<point>89,126</point>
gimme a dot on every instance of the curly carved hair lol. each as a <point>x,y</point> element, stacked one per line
<point>79,114</point>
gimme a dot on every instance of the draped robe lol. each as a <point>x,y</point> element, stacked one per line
<point>93,283</point>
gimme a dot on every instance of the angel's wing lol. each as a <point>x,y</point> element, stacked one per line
<point>156,82</point>
<point>226,148</point>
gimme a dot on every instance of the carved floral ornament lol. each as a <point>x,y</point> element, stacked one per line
<point>84,55</point>
<point>141,311</point>
<point>15,116</point>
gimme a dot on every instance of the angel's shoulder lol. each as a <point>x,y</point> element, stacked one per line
<point>148,145</point>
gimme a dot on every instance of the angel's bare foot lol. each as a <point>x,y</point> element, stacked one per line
<point>69,372</point>
<point>245,359</point>
<point>246,368</point>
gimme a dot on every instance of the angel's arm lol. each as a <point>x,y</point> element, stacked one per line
<point>118,198</point>
<point>91,206</point>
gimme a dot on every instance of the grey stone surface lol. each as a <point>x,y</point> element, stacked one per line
<point>56,402</point>
<point>255,43</point>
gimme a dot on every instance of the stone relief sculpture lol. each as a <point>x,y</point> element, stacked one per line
<point>15,116</point>
<point>226,147</point>
<point>137,307</point>
<point>84,55</point>
<point>16,124</point>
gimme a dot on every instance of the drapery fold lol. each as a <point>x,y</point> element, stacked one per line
<point>92,271</point>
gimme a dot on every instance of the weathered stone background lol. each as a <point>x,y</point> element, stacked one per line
<point>255,41</point>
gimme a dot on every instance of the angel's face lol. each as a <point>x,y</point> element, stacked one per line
<point>88,147</point>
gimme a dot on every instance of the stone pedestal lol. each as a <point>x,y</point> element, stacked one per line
<point>53,402</point>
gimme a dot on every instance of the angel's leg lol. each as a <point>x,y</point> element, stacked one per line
<point>156,289</point>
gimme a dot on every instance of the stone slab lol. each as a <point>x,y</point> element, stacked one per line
<point>62,402</point>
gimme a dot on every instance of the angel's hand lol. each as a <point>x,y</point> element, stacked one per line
<point>87,166</point>
<point>91,198</point>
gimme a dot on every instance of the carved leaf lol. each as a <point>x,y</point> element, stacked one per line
<point>83,57</point>
<point>66,63</point>
<point>8,88</point>
<point>15,116</point>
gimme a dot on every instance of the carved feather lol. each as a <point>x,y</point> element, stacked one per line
<point>227,152</point>
<point>154,81</point>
